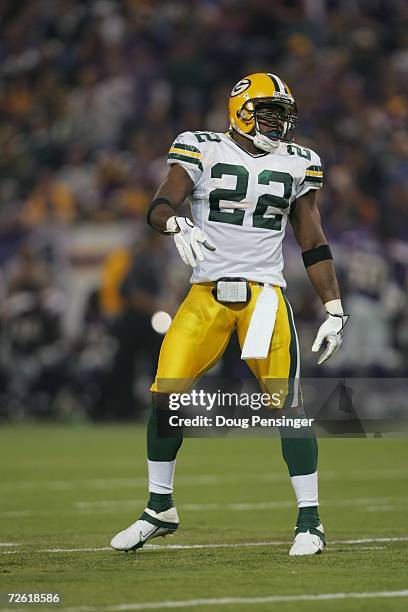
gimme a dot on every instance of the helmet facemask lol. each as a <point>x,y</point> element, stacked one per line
<point>274,121</point>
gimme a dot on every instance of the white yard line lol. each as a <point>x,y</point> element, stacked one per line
<point>229,601</point>
<point>368,540</point>
<point>107,503</point>
<point>83,505</point>
<point>384,508</point>
<point>382,503</point>
<point>158,547</point>
<point>7,544</point>
<point>21,513</point>
<point>359,548</point>
<point>69,550</point>
<point>9,552</point>
<point>119,483</point>
<point>199,480</point>
<point>273,543</point>
<point>371,504</point>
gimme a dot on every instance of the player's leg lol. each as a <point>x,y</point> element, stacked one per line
<point>194,342</point>
<point>299,446</point>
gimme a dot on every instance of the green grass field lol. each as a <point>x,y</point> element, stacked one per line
<point>66,490</point>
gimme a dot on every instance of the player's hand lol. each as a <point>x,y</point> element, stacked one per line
<point>189,240</point>
<point>330,332</point>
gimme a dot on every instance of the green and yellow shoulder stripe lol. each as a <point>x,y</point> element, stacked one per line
<point>186,153</point>
<point>314,176</point>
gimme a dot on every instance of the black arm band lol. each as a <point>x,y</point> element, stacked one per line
<point>320,253</point>
<point>157,202</point>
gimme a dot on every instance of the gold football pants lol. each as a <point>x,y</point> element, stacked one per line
<point>200,332</point>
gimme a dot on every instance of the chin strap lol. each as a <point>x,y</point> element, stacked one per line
<point>263,142</point>
<point>260,140</point>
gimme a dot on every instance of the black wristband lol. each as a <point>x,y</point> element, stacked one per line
<point>155,203</point>
<point>319,253</point>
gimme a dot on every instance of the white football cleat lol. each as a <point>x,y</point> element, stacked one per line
<point>307,543</point>
<point>150,525</point>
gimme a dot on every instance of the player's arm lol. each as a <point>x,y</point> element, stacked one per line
<point>172,192</point>
<point>306,223</point>
<point>162,216</point>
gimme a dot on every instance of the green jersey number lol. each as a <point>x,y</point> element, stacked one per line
<point>209,136</point>
<point>261,217</point>
<point>300,151</point>
<point>236,216</point>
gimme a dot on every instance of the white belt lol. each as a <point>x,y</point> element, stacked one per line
<point>261,326</point>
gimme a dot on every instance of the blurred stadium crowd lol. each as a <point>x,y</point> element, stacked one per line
<point>92,94</point>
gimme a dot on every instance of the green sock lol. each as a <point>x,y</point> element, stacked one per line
<point>161,448</point>
<point>160,502</point>
<point>299,450</point>
<point>308,517</point>
<point>309,520</point>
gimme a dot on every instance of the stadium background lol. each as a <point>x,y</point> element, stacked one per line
<point>93,93</point>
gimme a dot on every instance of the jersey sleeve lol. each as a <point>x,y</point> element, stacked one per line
<point>312,177</point>
<point>184,151</point>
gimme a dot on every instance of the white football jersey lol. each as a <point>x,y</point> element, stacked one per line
<point>242,201</point>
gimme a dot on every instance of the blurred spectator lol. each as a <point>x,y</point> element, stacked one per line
<point>26,272</point>
<point>114,270</point>
<point>33,353</point>
<point>93,93</point>
<point>48,201</point>
<point>137,344</point>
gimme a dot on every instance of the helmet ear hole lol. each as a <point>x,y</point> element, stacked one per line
<point>246,112</point>
<point>244,115</point>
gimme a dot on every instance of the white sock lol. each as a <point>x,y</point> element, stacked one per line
<point>306,490</point>
<point>161,474</point>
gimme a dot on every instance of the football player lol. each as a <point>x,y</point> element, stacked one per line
<point>243,185</point>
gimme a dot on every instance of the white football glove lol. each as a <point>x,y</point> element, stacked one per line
<point>331,331</point>
<point>188,239</point>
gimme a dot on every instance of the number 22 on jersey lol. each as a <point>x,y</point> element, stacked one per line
<point>262,217</point>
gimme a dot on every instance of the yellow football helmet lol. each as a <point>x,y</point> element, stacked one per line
<point>263,97</point>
